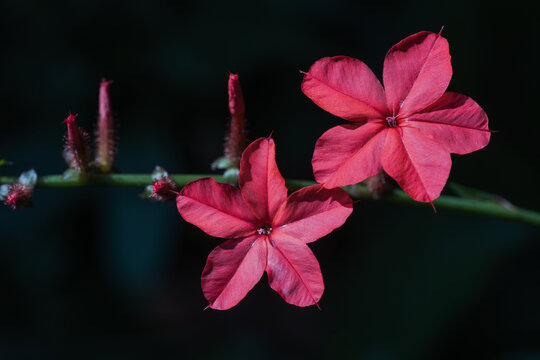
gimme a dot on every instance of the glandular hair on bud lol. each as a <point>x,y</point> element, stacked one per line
<point>105,134</point>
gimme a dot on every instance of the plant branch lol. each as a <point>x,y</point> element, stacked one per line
<point>485,207</point>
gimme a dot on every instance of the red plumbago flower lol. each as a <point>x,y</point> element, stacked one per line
<point>236,139</point>
<point>77,151</point>
<point>267,231</point>
<point>105,141</point>
<point>408,129</point>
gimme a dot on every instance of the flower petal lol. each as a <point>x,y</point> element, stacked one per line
<point>348,154</point>
<point>345,87</point>
<point>217,209</point>
<point>312,212</point>
<point>232,269</point>
<point>417,162</point>
<point>416,73</point>
<point>293,271</point>
<point>262,185</point>
<point>456,121</point>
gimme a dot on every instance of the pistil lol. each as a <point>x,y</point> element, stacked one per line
<point>265,230</point>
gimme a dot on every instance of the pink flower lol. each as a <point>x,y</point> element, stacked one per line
<point>266,230</point>
<point>408,129</point>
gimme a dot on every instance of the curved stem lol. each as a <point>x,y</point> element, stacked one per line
<point>490,208</point>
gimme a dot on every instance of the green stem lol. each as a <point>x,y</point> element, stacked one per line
<point>467,205</point>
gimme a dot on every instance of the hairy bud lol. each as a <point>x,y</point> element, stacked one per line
<point>235,141</point>
<point>76,150</point>
<point>105,137</point>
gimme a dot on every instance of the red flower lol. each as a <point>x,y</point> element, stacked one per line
<point>408,129</point>
<point>267,231</point>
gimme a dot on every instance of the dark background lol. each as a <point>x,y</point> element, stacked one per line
<point>101,273</point>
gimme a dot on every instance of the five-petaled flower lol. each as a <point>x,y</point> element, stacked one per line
<point>266,230</point>
<point>408,129</point>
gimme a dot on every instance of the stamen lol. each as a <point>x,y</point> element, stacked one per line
<point>265,230</point>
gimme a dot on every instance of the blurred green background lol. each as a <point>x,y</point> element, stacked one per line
<point>101,273</point>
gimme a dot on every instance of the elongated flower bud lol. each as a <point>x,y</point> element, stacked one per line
<point>77,150</point>
<point>235,141</point>
<point>105,138</point>
<point>237,106</point>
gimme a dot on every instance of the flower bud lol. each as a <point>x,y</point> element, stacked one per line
<point>76,150</point>
<point>237,106</point>
<point>105,138</point>
<point>235,141</point>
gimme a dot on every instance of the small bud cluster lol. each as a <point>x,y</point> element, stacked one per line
<point>20,194</point>
<point>163,188</point>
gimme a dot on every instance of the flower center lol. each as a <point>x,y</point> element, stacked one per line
<point>391,121</point>
<point>265,230</point>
